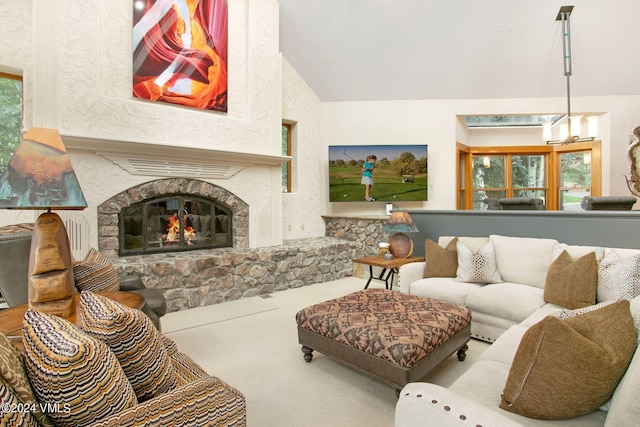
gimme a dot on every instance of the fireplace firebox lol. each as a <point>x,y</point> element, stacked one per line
<point>175,223</point>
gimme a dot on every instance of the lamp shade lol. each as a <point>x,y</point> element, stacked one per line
<point>40,176</point>
<point>399,222</point>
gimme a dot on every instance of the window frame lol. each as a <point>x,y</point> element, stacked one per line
<point>464,168</point>
<point>286,167</point>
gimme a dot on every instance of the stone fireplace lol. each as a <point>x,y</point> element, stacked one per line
<point>171,215</point>
<point>225,270</point>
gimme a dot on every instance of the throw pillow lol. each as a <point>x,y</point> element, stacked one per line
<point>439,261</point>
<point>566,313</point>
<point>572,284</point>
<point>618,278</point>
<point>134,340</point>
<point>10,400</point>
<point>477,268</point>
<point>13,373</point>
<point>73,371</point>
<point>95,273</point>
<point>568,368</point>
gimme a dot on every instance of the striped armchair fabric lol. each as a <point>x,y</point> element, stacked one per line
<point>200,400</point>
<point>196,400</point>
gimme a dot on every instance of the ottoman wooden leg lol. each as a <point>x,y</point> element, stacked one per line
<point>308,353</point>
<point>462,353</point>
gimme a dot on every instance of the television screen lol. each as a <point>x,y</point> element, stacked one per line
<point>392,173</point>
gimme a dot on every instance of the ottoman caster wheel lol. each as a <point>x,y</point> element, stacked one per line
<point>308,353</point>
<point>462,353</point>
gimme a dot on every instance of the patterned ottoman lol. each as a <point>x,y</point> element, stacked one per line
<point>395,337</point>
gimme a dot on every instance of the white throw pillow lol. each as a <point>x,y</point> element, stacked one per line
<point>618,278</point>
<point>479,267</point>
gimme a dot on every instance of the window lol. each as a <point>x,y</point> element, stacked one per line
<point>579,174</point>
<point>286,151</point>
<point>560,175</point>
<point>10,116</point>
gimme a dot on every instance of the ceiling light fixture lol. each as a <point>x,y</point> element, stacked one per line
<point>570,131</point>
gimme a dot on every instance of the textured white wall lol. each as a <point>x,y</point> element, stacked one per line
<point>303,206</point>
<point>435,123</point>
<point>92,58</point>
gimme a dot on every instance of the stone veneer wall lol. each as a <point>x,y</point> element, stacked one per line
<point>209,276</point>
<point>365,232</point>
<point>108,210</point>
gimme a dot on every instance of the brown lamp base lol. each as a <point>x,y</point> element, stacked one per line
<point>400,245</point>
<point>51,284</point>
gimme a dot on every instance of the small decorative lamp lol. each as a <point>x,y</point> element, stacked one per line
<point>40,176</point>
<point>399,223</point>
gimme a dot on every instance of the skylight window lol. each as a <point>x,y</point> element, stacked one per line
<point>511,120</point>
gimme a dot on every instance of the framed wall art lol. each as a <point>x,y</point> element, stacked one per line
<point>180,52</point>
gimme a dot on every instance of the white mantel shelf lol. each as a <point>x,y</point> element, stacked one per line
<point>140,158</point>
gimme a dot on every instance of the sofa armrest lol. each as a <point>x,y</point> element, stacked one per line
<point>206,402</point>
<point>426,404</point>
<point>409,273</point>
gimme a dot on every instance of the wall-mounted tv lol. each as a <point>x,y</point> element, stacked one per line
<point>400,173</point>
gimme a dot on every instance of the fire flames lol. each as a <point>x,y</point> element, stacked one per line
<point>173,230</point>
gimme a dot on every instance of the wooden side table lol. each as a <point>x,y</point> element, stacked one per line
<point>11,318</point>
<point>389,267</point>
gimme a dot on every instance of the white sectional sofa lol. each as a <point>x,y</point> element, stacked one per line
<point>502,314</point>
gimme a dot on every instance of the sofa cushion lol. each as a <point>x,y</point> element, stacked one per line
<point>477,267</point>
<point>618,278</point>
<point>568,368</point>
<point>625,403</point>
<point>95,273</point>
<point>506,300</point>
<point>134,340</point>
<point>439,261</point>
<point>572,284</point>
<point>522,259</point>
<point>577,251</point>
<point>72,370</point>
<point>443,289</point>
<point>14,376</point>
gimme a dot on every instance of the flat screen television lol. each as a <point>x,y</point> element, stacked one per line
<point>400,173</point>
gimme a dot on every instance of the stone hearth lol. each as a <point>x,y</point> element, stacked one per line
<point>210,276</point>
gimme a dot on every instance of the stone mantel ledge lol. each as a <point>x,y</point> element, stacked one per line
<point>351,217</point>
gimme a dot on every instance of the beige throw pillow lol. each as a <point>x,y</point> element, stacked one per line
<point>479,267</point>
<point>131,336</point>
<point>439,261</point>
<point>95,273</point>
<point>568,368</point>
<point>572,284</point>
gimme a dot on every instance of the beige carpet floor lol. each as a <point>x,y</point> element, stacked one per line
<point>252,344</point>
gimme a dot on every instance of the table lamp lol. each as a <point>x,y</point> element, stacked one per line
<point>40,176</point>
<point>399,223</point>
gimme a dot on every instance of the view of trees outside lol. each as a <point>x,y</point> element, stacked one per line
<point>10,117</point>
<point>286,179</point>
<point>489,177</point>
<point>575,179</point>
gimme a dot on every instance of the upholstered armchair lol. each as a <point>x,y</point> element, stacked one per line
<point>116,369</point>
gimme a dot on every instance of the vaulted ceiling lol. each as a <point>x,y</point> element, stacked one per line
<point>362,50</point>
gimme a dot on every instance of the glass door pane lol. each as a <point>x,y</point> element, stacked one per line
<point>575,179</point>
<point>489,179</point>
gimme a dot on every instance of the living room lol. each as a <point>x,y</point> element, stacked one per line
<point>74,58</point>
